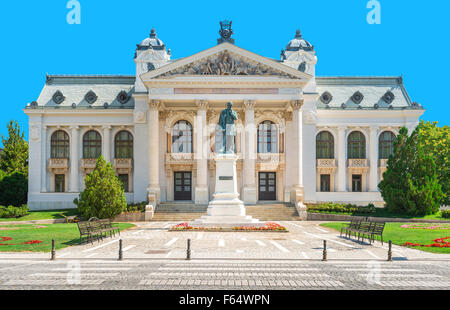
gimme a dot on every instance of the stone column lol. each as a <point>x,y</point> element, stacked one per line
<point>44,160</point>
<point>297,119</point>
<point>153,152</point>
<point>201,189</point>
<point>373,159</point>
<point>249,194</point>
<point>107,143</point>
<point>342,162</point>
<point>74,160</point>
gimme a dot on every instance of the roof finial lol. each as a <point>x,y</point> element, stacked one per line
<point>298,34</point>
<point>225,32</point>
<point>153,33</point>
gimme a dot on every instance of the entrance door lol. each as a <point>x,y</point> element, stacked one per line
<point>183,185</point>
<point>267,186</point>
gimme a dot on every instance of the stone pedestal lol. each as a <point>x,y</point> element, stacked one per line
<point>226,209</point>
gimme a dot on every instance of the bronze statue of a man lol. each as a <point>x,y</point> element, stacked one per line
<point>228,128</point>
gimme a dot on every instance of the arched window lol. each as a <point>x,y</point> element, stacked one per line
<point>59,144</point>
<point>267,137</point>
<point>123,145</point>
<point>182,137</point>
<point>92,144</point>
<point>386,144</point>
<point>325,145</point>
<point>356,145</point>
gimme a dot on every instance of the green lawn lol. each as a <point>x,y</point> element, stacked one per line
<point>382,212</point>
<point>399,235</point>
<point>43,215</point>
<point>64,234</point>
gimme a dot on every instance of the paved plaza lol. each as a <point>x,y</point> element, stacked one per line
<point>155,258</point>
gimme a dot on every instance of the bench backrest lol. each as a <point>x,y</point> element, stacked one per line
<point>106,223</point>
<point>84,227</point>
<point>365,226</point>
<point>378,227</point>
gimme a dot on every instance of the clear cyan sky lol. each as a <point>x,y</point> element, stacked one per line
<point>412,39</point>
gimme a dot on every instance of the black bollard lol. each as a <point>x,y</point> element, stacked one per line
<point>53,250</point>
<point>324,259</point>
<point>390,252</point>
<point>120,250</point>
<point>188,252</point>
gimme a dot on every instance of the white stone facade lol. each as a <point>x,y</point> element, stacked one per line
<point>158,128</point>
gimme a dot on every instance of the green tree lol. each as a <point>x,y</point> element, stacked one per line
<point>14,157</point>
<point>103,196</point>
<point>13,189</point>
<point>410,184</point>
<point>435,142</point>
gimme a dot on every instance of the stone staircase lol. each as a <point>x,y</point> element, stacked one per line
<point>173,212</point>
<point>273,212</point>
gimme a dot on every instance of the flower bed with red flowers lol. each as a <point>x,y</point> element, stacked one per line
<point>427,226</point>
<point>9,239</point>
<point>270,227</point>
<point>438,243</point>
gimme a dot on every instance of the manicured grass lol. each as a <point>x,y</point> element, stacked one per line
<point>399,235</point>
<point>64,234</point>
<point>43,215</point>
<point>382,212</point>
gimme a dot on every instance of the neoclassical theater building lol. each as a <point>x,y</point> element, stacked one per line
<point>299,136</point>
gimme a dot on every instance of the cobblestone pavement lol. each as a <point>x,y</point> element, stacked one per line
<point>154,258</point>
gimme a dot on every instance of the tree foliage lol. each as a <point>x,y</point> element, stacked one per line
<point>14,157</point>
<point>435,141</point>
<point>410,185</point>
<point>103,196</point>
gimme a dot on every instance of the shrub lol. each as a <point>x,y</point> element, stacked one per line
<point>341,208</point>
<point>13,189</point>
<point>137,207</point>
<point>103,196</point>
<point>445,214</point>
<point>13,212</point>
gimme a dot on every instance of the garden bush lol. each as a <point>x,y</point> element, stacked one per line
<point>103,196</point>
<point>342,208</point>
<point>13,189</point>
<point>445,214</point>
<point>137,207</point>
<point>13,212</point>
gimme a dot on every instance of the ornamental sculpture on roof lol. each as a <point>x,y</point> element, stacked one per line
<point>225,32</point>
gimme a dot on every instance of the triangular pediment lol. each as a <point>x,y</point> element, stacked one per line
<point>225,60</point>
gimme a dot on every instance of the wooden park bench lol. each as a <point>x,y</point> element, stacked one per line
<point>363,229</point>
<point>96,229</point>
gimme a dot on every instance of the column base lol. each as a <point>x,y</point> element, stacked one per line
<point>201,196</point>
<point>249,195</point>
<point>154,195</point>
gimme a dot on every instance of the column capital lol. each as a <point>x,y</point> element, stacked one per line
<point>106,127</point>
<point>297,104</point>
<point>249,105</point>
<point>202,105</point>
<point>155,104</point>
<point>74,127</point>
<point>342,127</point>
<point>374,127</point>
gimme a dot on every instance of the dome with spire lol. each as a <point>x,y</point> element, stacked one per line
<point>298,43</point>
<point>152,42</point>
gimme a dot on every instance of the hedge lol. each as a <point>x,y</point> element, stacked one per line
<point>341,208</point>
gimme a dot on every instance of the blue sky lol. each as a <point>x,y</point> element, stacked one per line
<point>412,40</point>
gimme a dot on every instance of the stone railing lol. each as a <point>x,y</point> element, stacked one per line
<point>326,163</point>
<point>123,163</point>
<point>271,158</point>
<point>174,157</point>
<point>383,163</point>
<point>358,163</point>
<point>88,164</point>
<point>58,163</point>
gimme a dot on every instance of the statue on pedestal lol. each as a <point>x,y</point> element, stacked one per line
<point>228,129</point>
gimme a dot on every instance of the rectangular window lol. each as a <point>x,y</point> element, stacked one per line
<point>325,183</point>
<point>60,183</point>
<point>356,183</point>
<point>124,179</point>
